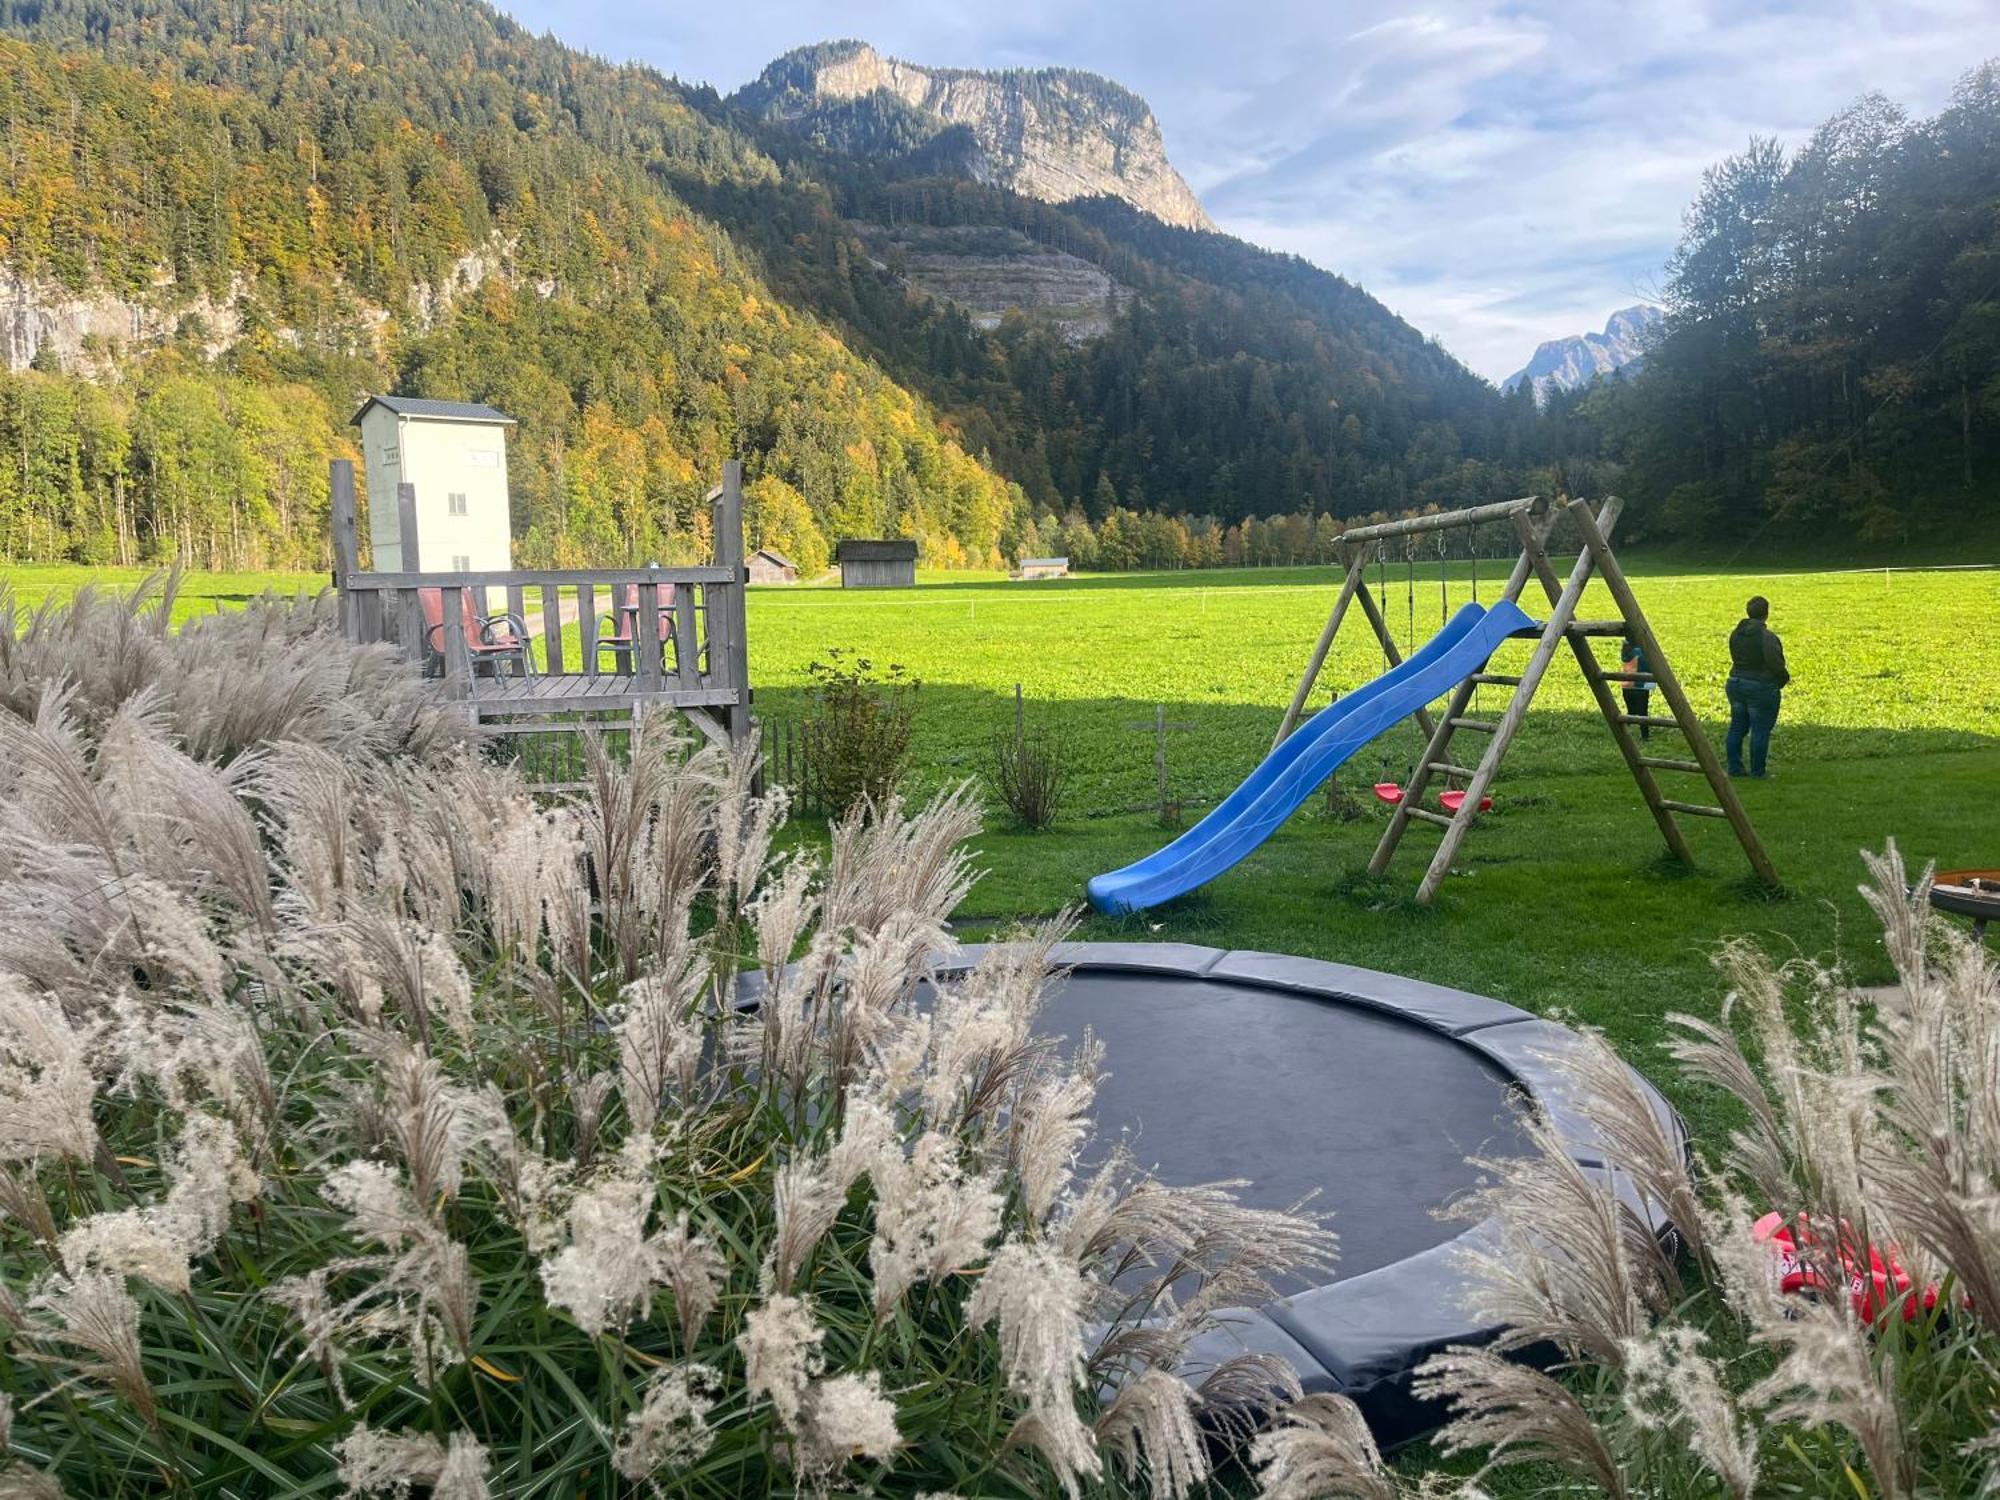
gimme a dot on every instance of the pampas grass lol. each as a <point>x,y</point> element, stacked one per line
<point>366,1122</point>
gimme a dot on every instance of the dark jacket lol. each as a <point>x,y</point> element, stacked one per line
<point>1756,654</point>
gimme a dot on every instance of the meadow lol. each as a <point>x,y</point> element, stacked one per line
<point>1562,902</point>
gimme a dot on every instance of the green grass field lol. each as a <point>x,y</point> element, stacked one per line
<point>1563,901</point>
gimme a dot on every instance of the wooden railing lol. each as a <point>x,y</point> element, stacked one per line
<point>675,636</point>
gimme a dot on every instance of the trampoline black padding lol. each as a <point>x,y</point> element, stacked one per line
<point>1305,1077</point>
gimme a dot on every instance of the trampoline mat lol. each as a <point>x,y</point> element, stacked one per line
<point>1212,1080</point>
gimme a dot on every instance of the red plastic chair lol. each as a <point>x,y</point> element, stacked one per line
<point>485,641</point>
<point>618,631</point>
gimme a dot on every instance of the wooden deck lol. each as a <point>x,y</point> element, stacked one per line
<point>673,638</point>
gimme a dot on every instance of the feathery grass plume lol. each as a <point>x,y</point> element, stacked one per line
<point>157,1241</point>
<point>1320,1448</point>
<point>1671,1385</point>
<point>744,825</point>
<point>1517,1413</point>
<point>807,1201</point>
<point>1935,1165</point>
<point>885,862</point>
<point>1152,1419</point>
<point>846,1417</point>
<point>670,1429</point>
<point>1048,1122</point>
<point>47,1087</point>
<point>606,1273</point>
<point>1811,1096</point>
<point>199,1052</point>
<point>659,1025</point>
<point>22,1200</point>
<point>780,1344</point>
<point>1038,1297</point>
<point>393,1463</point>
<point>1632,1136</point>
<point>93,1312</point>
<point>931,1218</point>
<point>1563,1260</point>
<point>433,1122</point>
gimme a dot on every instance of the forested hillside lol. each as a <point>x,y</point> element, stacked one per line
<point>312,201</point>
<point>280,205</point>
<point>1830,366</point>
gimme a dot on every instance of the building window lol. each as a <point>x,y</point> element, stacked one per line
<point>454,503</point>
<point>461,564</point>
<point>484,458</point>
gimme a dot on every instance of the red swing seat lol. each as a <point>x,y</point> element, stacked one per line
<point>1453,801</point>
<point>1389,792</point>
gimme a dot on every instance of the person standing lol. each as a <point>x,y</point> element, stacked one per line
<point>1638,683</point>
<point>1756,687</point>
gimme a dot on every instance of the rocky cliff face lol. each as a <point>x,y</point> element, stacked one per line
<point>1569,363</point>
<point>1053,133</point>
<point>993,273</point>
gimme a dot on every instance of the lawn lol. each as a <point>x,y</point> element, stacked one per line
<point>1562,901</point>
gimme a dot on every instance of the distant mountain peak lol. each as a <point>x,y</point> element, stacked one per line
<point>1056,134</point>
<point>1566,364</point>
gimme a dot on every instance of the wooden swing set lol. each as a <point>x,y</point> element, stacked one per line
<point>1533,520</point>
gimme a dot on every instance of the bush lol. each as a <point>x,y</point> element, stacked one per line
<point>364,1123</point>
<point>856,736</point>
<point>1030,774</point>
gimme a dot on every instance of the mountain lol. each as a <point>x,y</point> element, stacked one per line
<point>1569,364</point>
<point>1052,134</point>
<point>226,220</point>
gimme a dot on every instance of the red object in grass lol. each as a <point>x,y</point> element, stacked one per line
<point>1875,1292</point>
<point>1389,792</point>
<point>1453,801</point>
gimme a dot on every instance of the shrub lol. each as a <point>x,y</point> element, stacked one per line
<point>358,1114</point>
<point>1030,774</point>
<point>856,736</point>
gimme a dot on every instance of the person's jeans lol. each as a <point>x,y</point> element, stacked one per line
<point>1753,709</point>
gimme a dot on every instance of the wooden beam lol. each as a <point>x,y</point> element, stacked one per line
<point>1357,563</point>
<point>531,578</point>
<point>408,557</point>
<point>1597,543</point>
<point>346,538</point>
<point>1533,553</point>
<point>1443,521</point>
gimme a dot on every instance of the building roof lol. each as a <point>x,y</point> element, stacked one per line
<point>776,556</point>
<point>443,411</point>
<point>894,550</point>
<point>1044,562</point>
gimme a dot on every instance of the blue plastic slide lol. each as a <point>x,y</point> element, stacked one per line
<point>1310,754</point>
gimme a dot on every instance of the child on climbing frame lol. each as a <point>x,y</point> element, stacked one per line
<point>1638,695</point>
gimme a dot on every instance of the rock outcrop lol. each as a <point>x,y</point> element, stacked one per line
<point>993,272</point>
<point>1566,364</point>
<point>1055,134</point>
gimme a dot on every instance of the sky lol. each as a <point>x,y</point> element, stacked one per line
<point>1499,174</point>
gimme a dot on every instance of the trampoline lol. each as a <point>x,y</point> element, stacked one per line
<point>1968,893</point>
<point>1302,1075</point>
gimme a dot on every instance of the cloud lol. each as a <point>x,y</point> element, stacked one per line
<point>1498,171</point>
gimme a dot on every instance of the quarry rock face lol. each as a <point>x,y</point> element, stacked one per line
<point>1054,133</point>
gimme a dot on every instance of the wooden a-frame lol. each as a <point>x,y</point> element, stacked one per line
<point>1533,520</point>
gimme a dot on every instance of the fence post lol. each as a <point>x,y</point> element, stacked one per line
<point>346,540</point>
<point>408,558</point>
<point>728,520</point>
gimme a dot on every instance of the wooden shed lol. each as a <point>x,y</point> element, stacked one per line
<point>1044,567</point>
<point>889,564</point>
<point>767,566</point>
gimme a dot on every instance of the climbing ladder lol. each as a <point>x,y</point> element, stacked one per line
<point>1534,521</point>
<point>1563,626</point>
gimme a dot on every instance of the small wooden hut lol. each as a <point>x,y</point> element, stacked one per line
<point>767,566</point>
<point>1044,567</point>
<point>887,564</point>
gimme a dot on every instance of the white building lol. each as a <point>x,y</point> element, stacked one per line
<point>455,455</point>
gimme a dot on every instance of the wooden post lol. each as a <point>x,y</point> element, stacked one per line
<point>1597,545</point>
<point>1020,720</point>
<point>734,666</point>
<point>346,540</point>
<point>406,530</point>
<point>1553,634</point>
<point>1357,562</point>
<point>1169,810</point>
<point>457,659</point>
